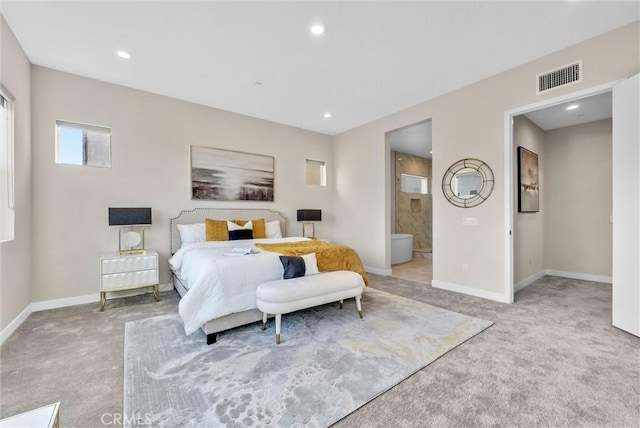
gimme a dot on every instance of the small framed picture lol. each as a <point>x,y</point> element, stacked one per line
<point>308,230</point>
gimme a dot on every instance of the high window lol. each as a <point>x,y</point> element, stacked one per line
<point>80,144</point>
<point>316,173</point>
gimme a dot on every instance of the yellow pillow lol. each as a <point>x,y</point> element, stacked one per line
<point>216,230</point>
<point>259,228</point>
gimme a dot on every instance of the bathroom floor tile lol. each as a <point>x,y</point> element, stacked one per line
<point>418,269</point>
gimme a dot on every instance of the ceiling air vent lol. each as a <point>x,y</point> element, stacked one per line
<point>562,76</point>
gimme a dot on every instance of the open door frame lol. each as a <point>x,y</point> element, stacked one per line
<point>508,170</point>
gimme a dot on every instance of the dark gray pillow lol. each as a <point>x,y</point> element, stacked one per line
<point>293,266</point>
<point>235,235</point>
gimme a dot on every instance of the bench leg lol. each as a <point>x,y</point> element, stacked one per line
<point>341,301</point>
<point>264,321</point>
<point>359,305</point>
<point>278,323</point>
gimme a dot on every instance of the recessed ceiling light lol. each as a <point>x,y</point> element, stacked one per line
<point>573,106</point>
<point>327,115</point>
<point>123,54</point>
<point>318,29</point>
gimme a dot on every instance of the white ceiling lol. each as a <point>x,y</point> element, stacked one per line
<point>595,107</point>
<point>414,140</point>
<point>375,59</point>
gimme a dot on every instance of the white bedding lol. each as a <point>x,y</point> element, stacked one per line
<point>220,285</point>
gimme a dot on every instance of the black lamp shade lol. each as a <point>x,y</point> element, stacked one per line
<point>309,215</point>
<point>129,216</point>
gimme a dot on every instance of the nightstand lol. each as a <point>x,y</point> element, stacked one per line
<point>124,272</point>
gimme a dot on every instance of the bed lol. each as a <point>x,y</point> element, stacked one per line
<point>217,277</point>
<point>237,273</point>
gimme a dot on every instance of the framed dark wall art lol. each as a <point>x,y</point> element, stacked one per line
<point>226,175</point>
<point>528,181</point>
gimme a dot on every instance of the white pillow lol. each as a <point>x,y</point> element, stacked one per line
<point>235,226</point>
<point>190,233</point>
<point>272,229</point>
<point>310,264</point>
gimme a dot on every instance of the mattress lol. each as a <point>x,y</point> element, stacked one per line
<point>219,284</point>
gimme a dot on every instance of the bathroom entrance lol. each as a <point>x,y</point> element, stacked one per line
<point>412,204</point>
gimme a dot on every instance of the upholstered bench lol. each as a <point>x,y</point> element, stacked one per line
<point>283,296</point>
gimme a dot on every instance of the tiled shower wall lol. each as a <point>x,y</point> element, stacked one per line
<point>414,210</point>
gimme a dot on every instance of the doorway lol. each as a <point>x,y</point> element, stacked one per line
<point>411,207</point>
<point>512,188</point>
<point>625,195</point>
<point>563,203</point>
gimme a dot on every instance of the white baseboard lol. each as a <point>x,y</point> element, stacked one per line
<point>55,304</point>
<point>43,306</point>
<point>528,281</point>
<point>563,274</point>
<point>63,303</point>
<point>17,322</point>
<point>383,272</point>
<point>471,291</point>
<point>80,300</point>
<point>578,275</point>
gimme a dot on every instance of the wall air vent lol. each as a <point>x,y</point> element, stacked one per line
<point>559,77</point>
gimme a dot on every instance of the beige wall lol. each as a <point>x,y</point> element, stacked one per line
<point>528,228</point>
<point>466,123</point>
<point>572,232</point>
<point>413,217</point>
<point>15,256</point>
<point>150,137</point>
<point>578,199</point>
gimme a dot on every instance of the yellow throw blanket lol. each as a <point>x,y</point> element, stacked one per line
<point>330,257</point>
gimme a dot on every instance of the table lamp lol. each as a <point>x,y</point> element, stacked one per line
<point>306,215</point>
<point>131,235</point>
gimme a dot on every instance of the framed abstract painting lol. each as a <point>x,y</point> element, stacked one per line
<point>227,175</point>
<point>528,182</point>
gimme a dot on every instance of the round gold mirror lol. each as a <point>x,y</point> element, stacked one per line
<point>468,183</point>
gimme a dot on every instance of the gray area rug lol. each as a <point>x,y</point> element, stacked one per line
<point>330,362</point>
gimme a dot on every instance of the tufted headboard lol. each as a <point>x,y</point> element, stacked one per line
<point>198,215</point>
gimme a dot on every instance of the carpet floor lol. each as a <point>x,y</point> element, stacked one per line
<point>247,380</point>
<point>551,359</point>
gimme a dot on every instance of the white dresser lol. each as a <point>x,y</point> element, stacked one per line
<point>122,272</point>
